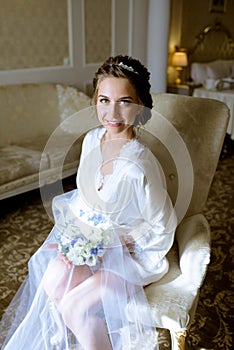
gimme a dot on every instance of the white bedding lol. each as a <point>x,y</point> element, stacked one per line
<point>215,70</point>
<point>226,96</point>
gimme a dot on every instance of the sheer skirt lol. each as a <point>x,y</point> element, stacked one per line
<point>82,307</point>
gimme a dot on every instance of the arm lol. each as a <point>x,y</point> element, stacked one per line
<point>154,235</point>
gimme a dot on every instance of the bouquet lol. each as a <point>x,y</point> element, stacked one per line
<point>83,241</point>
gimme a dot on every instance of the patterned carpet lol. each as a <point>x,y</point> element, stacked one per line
<point>213,324</point>
<point>25,225</point>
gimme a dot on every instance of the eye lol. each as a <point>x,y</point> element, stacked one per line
<point>103,100</point>
<point>124,102</point>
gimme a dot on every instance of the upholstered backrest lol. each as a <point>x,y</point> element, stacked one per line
<point>31,110</point>
<point>201,124</point>
<point>27,111</point>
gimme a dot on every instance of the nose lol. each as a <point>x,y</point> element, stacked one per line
<point>114,111</point>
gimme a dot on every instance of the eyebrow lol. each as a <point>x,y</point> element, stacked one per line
<point>121,98</point>
<point>130,97</point>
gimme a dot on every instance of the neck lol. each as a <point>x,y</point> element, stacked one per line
<point>127,134</point>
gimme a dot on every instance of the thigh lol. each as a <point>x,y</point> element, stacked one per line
<point>89,294</point>
<point>59,279</point>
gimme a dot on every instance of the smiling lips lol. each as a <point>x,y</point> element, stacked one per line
<point>114,124</point>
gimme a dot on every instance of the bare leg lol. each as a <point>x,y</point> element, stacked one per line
<point>79,307</point>
<point>58,279</point>
<point>80,302</point>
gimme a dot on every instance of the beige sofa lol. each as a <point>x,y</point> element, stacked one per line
<point>29,114</point>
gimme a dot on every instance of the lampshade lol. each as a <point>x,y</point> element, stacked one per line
<point>179,59</point>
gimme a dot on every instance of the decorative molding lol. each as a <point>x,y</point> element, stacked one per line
<point>70,33</point>
<point>128,36</point>
<point>83,34</point>
<point>113,26</point>
<point>32,51</point>
<point>130,28</point>
<point>44,74</point>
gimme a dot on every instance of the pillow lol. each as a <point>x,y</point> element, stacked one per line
<point>198,72</point>
<point>231,66</point>
<point>211,70</point>
<point>70,101</point>
<point>232,71</point>
<point>218,69</point>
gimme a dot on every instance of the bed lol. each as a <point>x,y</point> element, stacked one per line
<point>212,66</point>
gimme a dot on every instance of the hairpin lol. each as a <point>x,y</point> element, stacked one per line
<point>125,66</point>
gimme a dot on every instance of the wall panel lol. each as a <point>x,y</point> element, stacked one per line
<point>98,32</point>
<point>33,33</point>
<point>64,41</point>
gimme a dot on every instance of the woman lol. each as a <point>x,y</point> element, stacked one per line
<point>111,234</point>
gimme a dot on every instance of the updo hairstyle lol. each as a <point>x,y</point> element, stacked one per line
<point>132,69</point>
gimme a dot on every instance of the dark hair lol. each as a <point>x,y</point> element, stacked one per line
<point>132,69</point>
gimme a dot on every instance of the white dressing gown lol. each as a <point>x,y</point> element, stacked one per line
<point>132,206</point>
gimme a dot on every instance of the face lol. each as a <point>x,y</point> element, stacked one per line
<point>117,105</point>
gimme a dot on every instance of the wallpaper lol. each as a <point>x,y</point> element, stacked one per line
<point>33,33</point>
<point>97,30</point>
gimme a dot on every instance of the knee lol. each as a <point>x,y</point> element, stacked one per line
<point>68,308</point>
<point>53,284</point>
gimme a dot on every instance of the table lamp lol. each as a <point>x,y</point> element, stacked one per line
<point>179,61</point>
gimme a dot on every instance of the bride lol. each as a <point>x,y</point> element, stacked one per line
<point>110,238</point>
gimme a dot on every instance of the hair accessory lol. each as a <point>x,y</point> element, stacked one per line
<point>125,66</point>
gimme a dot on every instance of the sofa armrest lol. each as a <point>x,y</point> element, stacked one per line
<point>193,237</point>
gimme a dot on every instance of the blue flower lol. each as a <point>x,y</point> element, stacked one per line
<point>64,250</point>
<point>73,242</point>
<point>100,244</point>
<point>97,219</point>
<point>78,248</point>
<point>93,251</point>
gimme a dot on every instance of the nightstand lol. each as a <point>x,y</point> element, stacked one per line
<point>182,89</point>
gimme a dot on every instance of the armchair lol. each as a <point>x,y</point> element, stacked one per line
<point>186,135</point>
<point>201,124</point>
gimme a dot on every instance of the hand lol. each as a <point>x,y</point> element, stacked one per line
<point>61,256</point>
<point>129,242</point>
<point>65,261</point>
<point>51,246</point>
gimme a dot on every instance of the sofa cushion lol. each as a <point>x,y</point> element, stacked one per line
<point>70,101</point>
<point>60,150</point>
<point>17,162</point>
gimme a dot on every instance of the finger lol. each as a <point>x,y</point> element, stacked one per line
<point>65,260</point>
<point>51,246</point>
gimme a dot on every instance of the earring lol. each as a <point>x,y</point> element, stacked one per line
<point>137,129</point>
